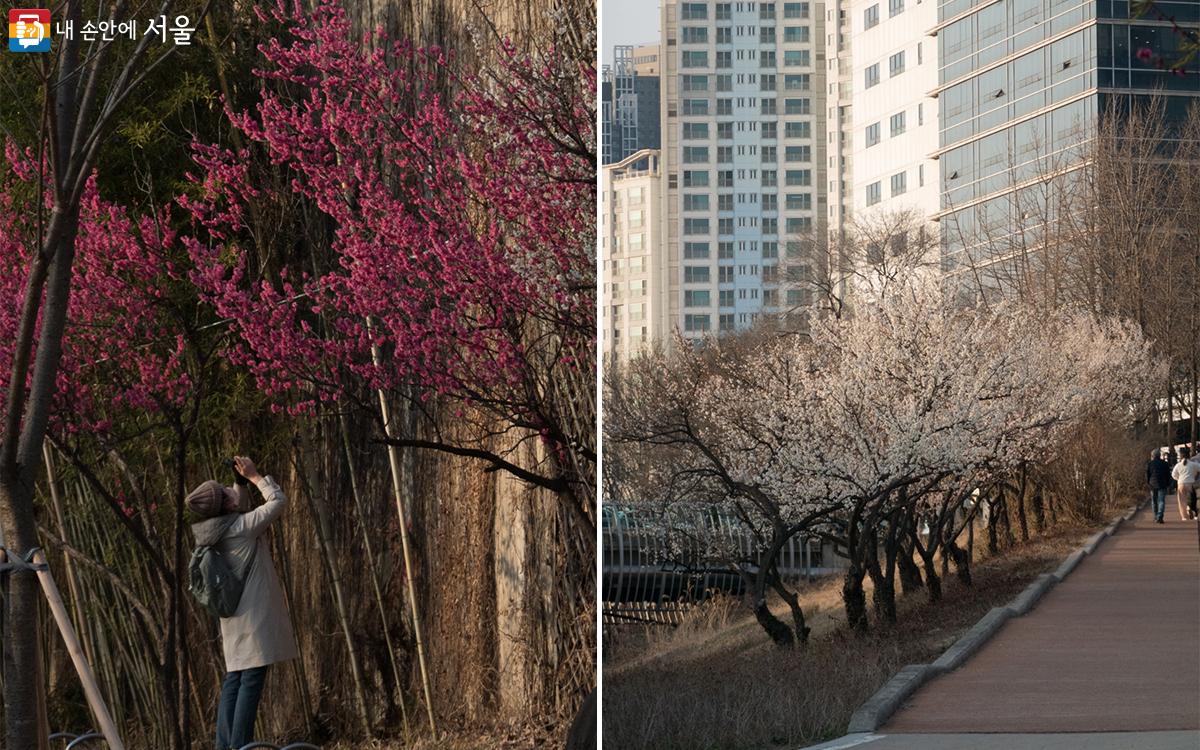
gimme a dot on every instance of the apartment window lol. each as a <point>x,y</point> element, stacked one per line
<point>920,175</point>
<point>770,130</point>
<point>724,11</point>
<point>695,106</point>
<point>725,297</point>
<point>767,60</point>
<point>770,250</point>
<point>724,226</point>
<point>695,250</point>
<point>897,123</point>
<point>767,106</point>
<point>769,154</point>
<point>695,154</point>
<point>725,251</point>
<point>695,83</point>
<point>766,11</point>
<point>795,10</point>
<point>695,131</point>
<point>798,130</point>
<point>724,131</point>
<point>724,107</point>
<point>799,202</point>
<point>899,183</point>
<point>871,17</point>
<point>872,134</point>
<point>694,34</point>
<point>696,323</point>
<point>796,58</point>
<point>695,202</point>
<point>636,219</point>
<point>767,82</point>
<point>724,82</point>
<point>871,76</point>
<point>770,226</point>
<point>770,202</point>
<point>725,275</point>
<point>725,202</point>
<point>695,226</point>
<point>696,275</point>
<point>766,35</point>
<point>724,60</point>
<point>694,178</point>
<point>770,178</point>
<point>798,177</point>
<point>694,11</point>
<point>725,178</point>
<point>799,225</point>
<point>724,35</point>
<point>874,194</point>
<point>797,106</point>
<point>724,154</point>
<point>794,34</point>
<point>695,59</point>
<point>798,153</point>
<point>920,114</point>
<point>896,64</point>
<point>725,322</point>
<point>895,7</point>
<point>797,82</point>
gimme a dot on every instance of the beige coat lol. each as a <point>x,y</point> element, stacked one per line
<point>260,632</point>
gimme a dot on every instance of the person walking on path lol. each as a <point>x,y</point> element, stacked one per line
<point>1187,474</point>
<point>259,633</point>
<point>1158,477</point>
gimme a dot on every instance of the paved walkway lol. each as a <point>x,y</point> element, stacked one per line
<point>1112,653</point>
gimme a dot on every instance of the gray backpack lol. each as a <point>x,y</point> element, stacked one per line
<point>213,582</point>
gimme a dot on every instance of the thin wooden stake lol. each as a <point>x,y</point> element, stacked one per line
<point>90,688</point>
<point>394,462</point>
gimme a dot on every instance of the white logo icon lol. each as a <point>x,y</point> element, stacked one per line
<point>30,30</point>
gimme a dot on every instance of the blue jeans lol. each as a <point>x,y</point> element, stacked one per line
<point>238,709</point>
<point>1158,503</point>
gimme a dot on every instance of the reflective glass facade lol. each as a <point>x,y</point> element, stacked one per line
<point>1021,85</point>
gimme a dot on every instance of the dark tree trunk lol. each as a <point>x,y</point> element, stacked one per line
<point>910,572</point>
<point>1039,511</point>
<point>780,634</point>
<point>22,625</point>
<point>801,627</point>
<point>932,582</point>
<point>854,598</point>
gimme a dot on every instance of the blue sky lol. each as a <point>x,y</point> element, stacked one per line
<point>627,22</point>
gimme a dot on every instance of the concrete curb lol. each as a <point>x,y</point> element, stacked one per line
<point>880,706</point>
<point>849,740</point>
<point>972,640</point>
<point>1063,570</point>
<point>1024,601</point>
<point>1093,542</point>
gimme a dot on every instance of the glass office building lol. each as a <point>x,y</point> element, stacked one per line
<point>1021,85</point>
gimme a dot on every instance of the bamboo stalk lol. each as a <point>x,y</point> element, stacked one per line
<point>394,463</point>
<point>362,525</point>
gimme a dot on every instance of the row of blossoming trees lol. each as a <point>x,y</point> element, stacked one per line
<point>376,223</point>
<point>879,431</point>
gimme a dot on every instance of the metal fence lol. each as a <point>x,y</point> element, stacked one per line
<point>643,581</point>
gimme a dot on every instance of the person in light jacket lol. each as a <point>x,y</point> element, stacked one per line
<point>1187,474</point>
<point>259,633</point>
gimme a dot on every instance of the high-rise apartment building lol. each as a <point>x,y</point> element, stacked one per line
<point>634,312</point>
<point>894,68</point>
<point>1021,85</point>
<point>743,154</point>
<point>629,103</point>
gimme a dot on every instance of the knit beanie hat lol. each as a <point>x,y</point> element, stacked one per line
<point>207,500</point>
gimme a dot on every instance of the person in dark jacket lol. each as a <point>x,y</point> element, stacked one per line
<point>1158,477</point>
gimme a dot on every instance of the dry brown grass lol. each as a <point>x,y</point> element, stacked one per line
<point>716,682</point>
